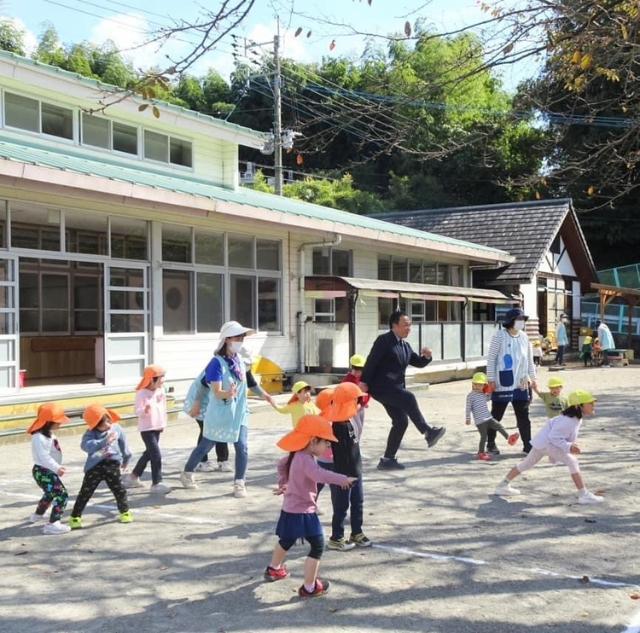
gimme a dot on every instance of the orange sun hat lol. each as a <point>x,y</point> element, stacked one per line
<point>150,372</point>
<point>324,399</point>
<point>95,412</point>
<point>48,412</point>
<point>345,402</point>
<point>309,426</point>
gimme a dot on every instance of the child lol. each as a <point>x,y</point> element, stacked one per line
<point>553,401</point>
<point>298,477</point>
<point>357,362</point>
<point>299,404</point>
<point>585,352</point>
<point>151,408</point>
<point>477,407</point>
<point>195,405</point>
<point>346,461</point>
<point>537,351</point>
<point>596,352</point>
<point>557,441</point>
<point>108,452</point>
<point>47,467</point>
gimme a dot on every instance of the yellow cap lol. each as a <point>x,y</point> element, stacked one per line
<point>357,360</point>
<point>555,382</point>
<point>299,386</point>
<point>579,396</point>
<point>480,378</point>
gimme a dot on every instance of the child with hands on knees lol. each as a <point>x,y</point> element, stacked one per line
<point>47,467</point>
<point>108,454</point>
<point>298,478</point>
<point>557,440</point>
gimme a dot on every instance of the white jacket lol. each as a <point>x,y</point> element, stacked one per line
<point>46,451</point>
<point>558,433</point>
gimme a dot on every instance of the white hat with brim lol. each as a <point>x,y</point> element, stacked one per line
<point>232,328</point>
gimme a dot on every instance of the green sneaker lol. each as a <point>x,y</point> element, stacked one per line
<point>340,544</point>
<point>126,517</point>
<point>75,523</point>
<point>360,540</point>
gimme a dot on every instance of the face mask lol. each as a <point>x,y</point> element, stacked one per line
<point>519,325</point>
<point>235,346</point>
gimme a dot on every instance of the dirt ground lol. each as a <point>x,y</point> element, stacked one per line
<point>448,556</point>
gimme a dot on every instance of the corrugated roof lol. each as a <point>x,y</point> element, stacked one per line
<point>77,162</point>
<point>96,83</point>
<point>524,229</point>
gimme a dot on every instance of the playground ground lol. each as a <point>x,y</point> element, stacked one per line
<point>448,556</point>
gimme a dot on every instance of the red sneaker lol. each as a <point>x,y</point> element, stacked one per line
<point>322,586</point>
<point>485,457</point>
<point>272,574</point>
<point>513,438</point>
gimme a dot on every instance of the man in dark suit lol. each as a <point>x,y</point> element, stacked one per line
<point>383,377</point>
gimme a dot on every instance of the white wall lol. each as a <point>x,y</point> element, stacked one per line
<point>558,263</point>
<point>530,294</point>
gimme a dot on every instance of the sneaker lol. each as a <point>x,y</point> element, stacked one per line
<point>322,587</point>
<point>587,497</point>
<point>485,457</point>
<point>225,467</point>
<point>340,544</point>
<point>505,489</point>
<point>36,518</point>
<point>434,435</point>
<point>206,467</point>
<point>493,449</point>
<point>126,517</point>
<point>160,489</point>
<point>55,528</point>
<point>360,540</point>
<point>389,463</point>
<point>271,574</point>
<point>188,480</point>
<point>513,438</point>
<point>75,523</point>
<point>131,481</point>
<point>239,490</point>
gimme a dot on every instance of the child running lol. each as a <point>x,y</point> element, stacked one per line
<point>554,403</point>
<point>108,453</point>
<point>298,477</point>
<point>347,460</point>
<point>299,404</point>
<point>47,467</point>
<point>478,408</point>
<point>151,409</point>
<point>557,440</point>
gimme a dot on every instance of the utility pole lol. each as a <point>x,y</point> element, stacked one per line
<point>277,115</point>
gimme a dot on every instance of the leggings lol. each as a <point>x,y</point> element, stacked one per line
<point>483,429</point>
<point>555,455</point>
<point>109,471</point>
<point>55,494</point>
<point>151,454</point>
<point>316,542</point>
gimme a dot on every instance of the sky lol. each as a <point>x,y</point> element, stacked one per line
<point>128,24</point>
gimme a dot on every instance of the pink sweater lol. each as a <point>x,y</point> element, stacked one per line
<point>302,483</point>
<point>155,418</point>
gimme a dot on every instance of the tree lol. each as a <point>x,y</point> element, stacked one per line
<point>11,37</point>
<point>50,50</point>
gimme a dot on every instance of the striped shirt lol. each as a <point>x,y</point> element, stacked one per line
<point>477,407</point>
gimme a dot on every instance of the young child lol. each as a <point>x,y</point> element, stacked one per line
<point>557,440</point>
<point>596,352</point>
<point>299,404</point>
<point>151,409</point>
<point>298,477</point>
<point>108,453</point>
<point>537,351</point>
<point>357,362</point>
<point>346,461</point>
<point>195,406</point>
<point>553,401</point>
<point>47,467</point>
<point>586,351</point>
<point>477,407</point>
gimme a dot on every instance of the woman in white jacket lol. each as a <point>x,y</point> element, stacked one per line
<point>557,441</point>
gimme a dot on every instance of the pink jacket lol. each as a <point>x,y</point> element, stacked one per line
<point>151,409</point>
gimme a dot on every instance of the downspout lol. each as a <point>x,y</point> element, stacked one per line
<point>300,315</point>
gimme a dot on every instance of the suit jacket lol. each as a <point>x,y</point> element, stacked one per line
<point>384,371</point>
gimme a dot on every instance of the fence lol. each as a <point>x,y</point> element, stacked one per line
<point>616,316</point>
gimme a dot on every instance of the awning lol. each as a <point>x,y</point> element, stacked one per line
<point>316,284</point>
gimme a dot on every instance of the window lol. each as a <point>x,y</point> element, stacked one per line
<point>384,268</point>
<point>96,131</point>
<point>242,306</point>
<point>57,121</point>
<point>241,252</point>
<point>415,272</point>
<point>35,227</point>
<point>455,276</point>
<point>340,263</point>
<point>129,238</point>
<point>176,243</point>
<point>87,303</point>
<point>269,305</point>
<point>385,308</point>
<point>162,148</point>
<point>442,275</point>
<point>125,138</point>
<point>85,233</point>
<point>321,261</point>
<point>268,255</point>
<point>21,112</point>
<point>210,302</point>
<point>209,248</point>
<point>180,152</point>
<point>429,273</point>
<point>399,269</point>
<point>331,261</point>
<point>55,302</point>
<point>177,301</point>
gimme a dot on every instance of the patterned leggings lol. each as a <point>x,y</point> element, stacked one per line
<point>54,492</point>
<point>109,471</point>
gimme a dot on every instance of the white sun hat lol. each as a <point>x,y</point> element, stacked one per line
<point>229,329</point>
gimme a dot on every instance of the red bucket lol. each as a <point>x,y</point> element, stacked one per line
<point>22,378</point>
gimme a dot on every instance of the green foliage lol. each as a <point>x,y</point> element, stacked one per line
<point>11,37</point>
